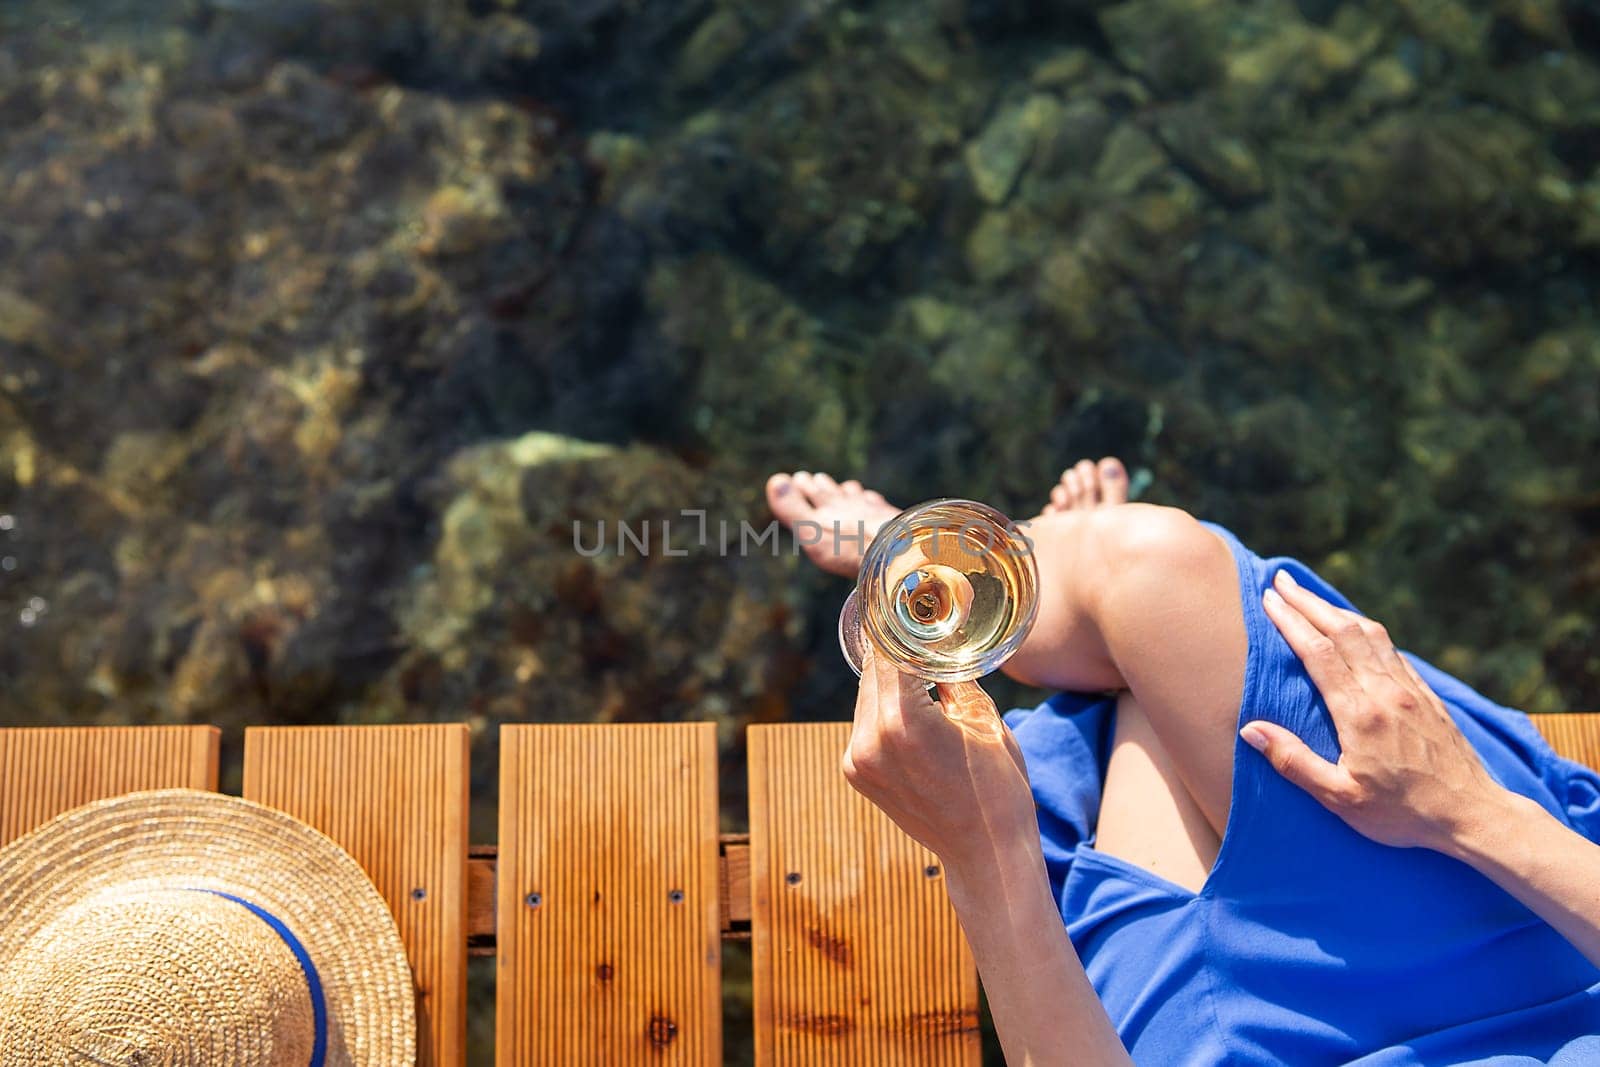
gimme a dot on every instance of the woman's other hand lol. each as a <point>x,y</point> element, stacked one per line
<point>948,772</point>
<point>1406,776</point>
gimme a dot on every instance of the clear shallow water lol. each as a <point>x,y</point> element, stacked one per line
<point>321,323</point>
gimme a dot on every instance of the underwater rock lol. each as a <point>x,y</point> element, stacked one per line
<point>1002,242</point>
<point>803,164</point>
<point>1542,20</point>
<point>22,322</point>
<point>1455,27</point>
<point>769,375</point>
<point>1062,70</point>
<point>1558,90</point>
<point>1074,142</point>
<point>457,220</point>
<point>1385,82</point>
<point>1176,46</point>
<point>1003,149</point>
<point>919,44</point>
<point>568,584</point>
<point>1459,187</point>
<point>714,42</point>
<point>1075,284</point>
<point>1130,156</point>
<point>1226,165</point>
<point>1278,74</point>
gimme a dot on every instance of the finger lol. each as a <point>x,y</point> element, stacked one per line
<point>1328,670</point>
<point>916,705</point>
<point>1385,656</point>
<point>866,717</point>
<point>966,703</point>
<point>861,751</point>
<point>1347,630</point>
<point>893,692</point>
<point>1398,668</point>
<point>1293,759</point>
<point>964,696</point>
<point>1014,749</point>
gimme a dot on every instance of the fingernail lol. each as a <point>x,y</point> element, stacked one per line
<point>1271,598</point>
<point>1287,579</point>
<point>1254,737</point>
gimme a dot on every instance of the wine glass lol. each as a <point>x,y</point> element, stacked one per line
<point>947,592</point>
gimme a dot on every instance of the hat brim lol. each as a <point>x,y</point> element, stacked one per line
<point>181,838</point>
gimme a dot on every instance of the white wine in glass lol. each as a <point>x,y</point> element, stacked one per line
<point>947,592</point>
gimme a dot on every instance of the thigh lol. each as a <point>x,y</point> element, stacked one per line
<point>1147,815</point>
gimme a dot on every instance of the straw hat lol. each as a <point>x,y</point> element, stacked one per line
<point>187,929</point>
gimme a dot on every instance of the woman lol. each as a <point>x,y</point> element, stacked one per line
<point>1354,859</point>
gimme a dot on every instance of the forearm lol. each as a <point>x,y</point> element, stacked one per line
<point>1044,1008</point>
<point>1536,858</point>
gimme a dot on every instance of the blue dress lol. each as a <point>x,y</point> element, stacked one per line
<point>1308,943</point>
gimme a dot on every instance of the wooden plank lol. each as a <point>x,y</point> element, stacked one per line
<point>48,770</point>
<point>395,797</point>
<point>858,957</point>
<point>1575,735</point>
<point>609,947</point>
<point>735,880</point>
<point>481,862</point>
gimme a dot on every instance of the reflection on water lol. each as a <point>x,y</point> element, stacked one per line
<point>321,322</point>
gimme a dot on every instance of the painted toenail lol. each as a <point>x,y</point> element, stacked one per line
<point>1111,474</point>
<point>783,487</point>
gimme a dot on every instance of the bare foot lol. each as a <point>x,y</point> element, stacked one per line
<point>832,521</point>
<point>1089,485</point>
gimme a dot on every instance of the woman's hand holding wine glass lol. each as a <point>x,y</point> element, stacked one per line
<point>947,772</point>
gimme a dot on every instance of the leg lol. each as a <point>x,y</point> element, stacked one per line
<point>1133,597</point>
<point>1147,816</point>
<point>1145,599</point>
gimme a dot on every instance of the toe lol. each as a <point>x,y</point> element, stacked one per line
<point>1088,483</point>
<point>823,487</point>
<point>1059,497</point>
<point>1113,481</point>
<point>785,499</point>
<point>850,488</point>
